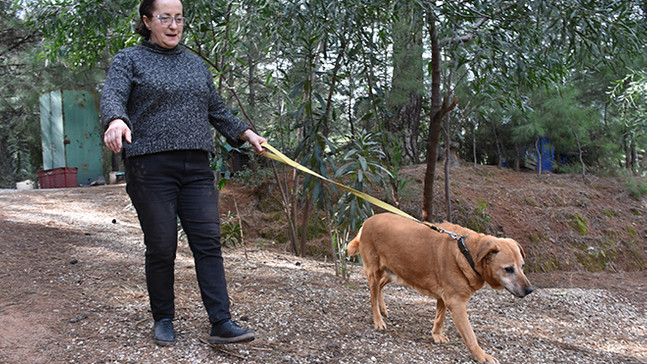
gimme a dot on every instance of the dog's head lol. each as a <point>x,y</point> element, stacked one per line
<point>502,263</point>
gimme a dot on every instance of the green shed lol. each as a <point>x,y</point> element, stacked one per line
<point>71,134</point>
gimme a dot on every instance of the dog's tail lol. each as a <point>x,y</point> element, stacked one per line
<point>353,246</point>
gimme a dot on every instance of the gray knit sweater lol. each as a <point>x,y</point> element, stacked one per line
<point>168,98</point>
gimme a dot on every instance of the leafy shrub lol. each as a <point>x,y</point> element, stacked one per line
<point>480,219</point>
<point>637,187</point>
<point>231,234</point>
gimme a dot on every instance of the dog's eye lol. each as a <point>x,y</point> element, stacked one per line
<point>509,270</point>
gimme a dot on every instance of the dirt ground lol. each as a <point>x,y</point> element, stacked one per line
<point>72,285</point>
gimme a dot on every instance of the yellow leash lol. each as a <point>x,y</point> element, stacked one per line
<point>273,153</point>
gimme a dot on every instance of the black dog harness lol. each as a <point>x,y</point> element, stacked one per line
<point>460,239</point>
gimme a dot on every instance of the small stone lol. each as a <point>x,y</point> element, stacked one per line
<point>78,318</point>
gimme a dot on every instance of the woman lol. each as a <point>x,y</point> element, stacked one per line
<point>161,100</point>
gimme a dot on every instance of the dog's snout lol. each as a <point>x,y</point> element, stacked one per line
<point>520,290</point>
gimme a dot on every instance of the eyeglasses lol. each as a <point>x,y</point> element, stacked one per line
<point>166,20</point>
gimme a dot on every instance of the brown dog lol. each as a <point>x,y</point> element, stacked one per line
<point>394,247</point>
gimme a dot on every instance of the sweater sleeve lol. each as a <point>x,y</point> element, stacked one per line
<point>223,120</point>
<point>116,90</point>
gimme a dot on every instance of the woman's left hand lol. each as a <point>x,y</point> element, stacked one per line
<point>255,140</point>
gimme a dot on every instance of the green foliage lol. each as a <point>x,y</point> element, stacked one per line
<point>637,187</point>
<point>598,258</point>
<point>479,219</point>
<point>363,167</point>
<point>339,240</point>
<point>312,71</point>
<point>630,96</point>
<point>531,201</point>
<point>578,223</point>
<point>253,178</point>
<point>394,162</point>
<point>632,232</point>
<point>537,238</point>
<point>82,33</point>
<point>631,93</point>
<point>547,264</point>
<point>26,76</point>
<point>231,234</point>
<point>20,152</point>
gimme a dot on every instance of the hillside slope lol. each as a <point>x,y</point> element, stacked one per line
<point>564,222</point>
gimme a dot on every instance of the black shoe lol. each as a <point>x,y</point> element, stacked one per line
<point>229,333</point>
<point>163,332</point>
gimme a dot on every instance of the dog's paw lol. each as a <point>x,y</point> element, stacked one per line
<point>380,326</point>
<point>440,339</point>
<point>383,310</point>
<point>489,359</point>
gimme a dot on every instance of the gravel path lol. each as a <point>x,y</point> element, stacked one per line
<point>72,291</point>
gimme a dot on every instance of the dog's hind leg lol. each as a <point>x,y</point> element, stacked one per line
<point>374,278</point>
<point>439,321</point>
<point>383,282</point>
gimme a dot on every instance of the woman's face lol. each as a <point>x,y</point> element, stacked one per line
<point>166,36</point>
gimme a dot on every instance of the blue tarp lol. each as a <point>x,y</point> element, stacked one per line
<point>547,155</point>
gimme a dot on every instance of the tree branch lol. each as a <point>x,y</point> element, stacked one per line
<point>18,43</point>
<point>471,34</point>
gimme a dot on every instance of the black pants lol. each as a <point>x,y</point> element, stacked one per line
<point>166,185</point>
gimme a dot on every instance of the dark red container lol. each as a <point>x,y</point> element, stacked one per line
<point>58,177</point>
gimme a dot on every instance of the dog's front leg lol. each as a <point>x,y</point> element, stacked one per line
<point>458,310</point>
<point>439,321</point>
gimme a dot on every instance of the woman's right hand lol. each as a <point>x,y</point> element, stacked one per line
<point>117,130</point>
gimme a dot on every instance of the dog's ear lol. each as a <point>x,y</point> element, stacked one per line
<point>488,247</point>
<point>516,243</point>
<point>523,253</point>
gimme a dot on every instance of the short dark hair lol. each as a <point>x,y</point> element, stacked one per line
<point>146,7</point>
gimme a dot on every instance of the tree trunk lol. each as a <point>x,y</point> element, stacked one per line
<point>350,115</point>
<point>221,59</point>
<point>579,149</point>
<point>293,202</point>
<point>438,111</point>
<point>304,225</point>
<point>517,157</point>
<point>409,118</point>
<point>251,84</point>
<point>284,187</point>
<point>448,199</point>
<point>434,122</point>
<point>634,158</point>
<point>333,84</point>
<point>474,145</point>
<point>499,158</point>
